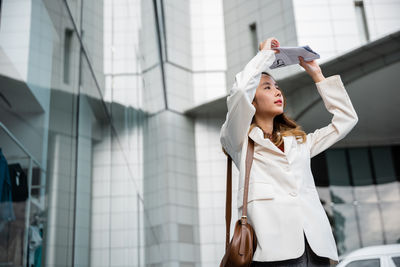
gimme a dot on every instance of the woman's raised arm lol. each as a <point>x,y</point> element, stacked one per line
<point>338,103</point>
<point>239,100</point>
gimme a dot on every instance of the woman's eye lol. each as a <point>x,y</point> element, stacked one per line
<point>268,87</point>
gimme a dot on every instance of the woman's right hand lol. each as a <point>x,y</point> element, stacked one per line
<point>270,43</point>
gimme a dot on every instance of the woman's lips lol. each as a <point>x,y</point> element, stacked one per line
<point>279,102</point>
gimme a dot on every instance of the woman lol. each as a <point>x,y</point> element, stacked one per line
<point>284,209</point>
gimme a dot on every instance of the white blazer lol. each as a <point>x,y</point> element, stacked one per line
<point>283,201</point>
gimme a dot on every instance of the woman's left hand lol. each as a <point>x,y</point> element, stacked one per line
<point>313,69</point>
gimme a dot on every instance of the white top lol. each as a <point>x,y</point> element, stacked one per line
<point>283,201</point>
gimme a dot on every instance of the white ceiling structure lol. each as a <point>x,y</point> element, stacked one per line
<point>376,99</point>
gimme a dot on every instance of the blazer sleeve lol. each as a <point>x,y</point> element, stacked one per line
<point>240,110</point>
<point>338,103</point>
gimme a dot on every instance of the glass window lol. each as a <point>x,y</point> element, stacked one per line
<point>361,20</point>
<point>383,164</point>
<point>365,263</point>
<point>254,39</point>
<point>337,167</point>
<point>346,228</point>
<point>1,3</point>
<point>341,194</point>
<point>67,54</point>
<point>360,166</point>
<point>391,221</point>
<point>370,221</point>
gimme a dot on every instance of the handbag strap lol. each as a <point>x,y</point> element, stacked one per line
<point>228,208</point>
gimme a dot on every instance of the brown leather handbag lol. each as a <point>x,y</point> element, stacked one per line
<point>240,250</point>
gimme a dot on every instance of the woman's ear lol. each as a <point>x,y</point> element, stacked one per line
<point>254,102</point>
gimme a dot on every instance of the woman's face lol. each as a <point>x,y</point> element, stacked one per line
<point>268,100</point>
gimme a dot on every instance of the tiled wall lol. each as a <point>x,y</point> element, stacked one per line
<point>177,30</point>
<point>382,17</point>
<point>208,50</point>
<point>272,18</point>
<point>145,201</point>
<point>150,61</point>
<point>13,12</point>
<point>170,191</point>
<point>179,88</point>
<point>211,183</point>
<point>178,55</point>
<point>122,66</point>
<point>101,207</point>
<point>117,219</point>
<point>330,27</point>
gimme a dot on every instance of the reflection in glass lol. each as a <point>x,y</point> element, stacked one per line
<point>93,128</point>
<point>346,229</point>
<point>370,220</point>
<point>391,221</point>
<point>371,215</point>
<point>366,193</point>
<point>389,191</point>
<point>341,194</point>
<point>21,211</point>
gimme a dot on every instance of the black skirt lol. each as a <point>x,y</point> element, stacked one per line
<point>308,259</point>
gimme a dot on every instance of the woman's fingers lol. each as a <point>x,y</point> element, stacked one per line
<point>301,63</point>
<point>311,67</point>
<point>269,43</point>
<point>275,43</point>
<point>304,64</point>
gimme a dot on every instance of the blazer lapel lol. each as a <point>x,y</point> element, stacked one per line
<point>257,136</point>
<point>287,144</point>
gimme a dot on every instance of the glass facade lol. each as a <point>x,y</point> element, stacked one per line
<point>64,132</point>
<point>364,194</point>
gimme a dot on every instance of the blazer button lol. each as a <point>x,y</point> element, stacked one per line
<point>293,194</point>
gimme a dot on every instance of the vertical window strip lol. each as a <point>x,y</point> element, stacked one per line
<point>362,23</point>
<point>67,54</point>
<point>253,36</point>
